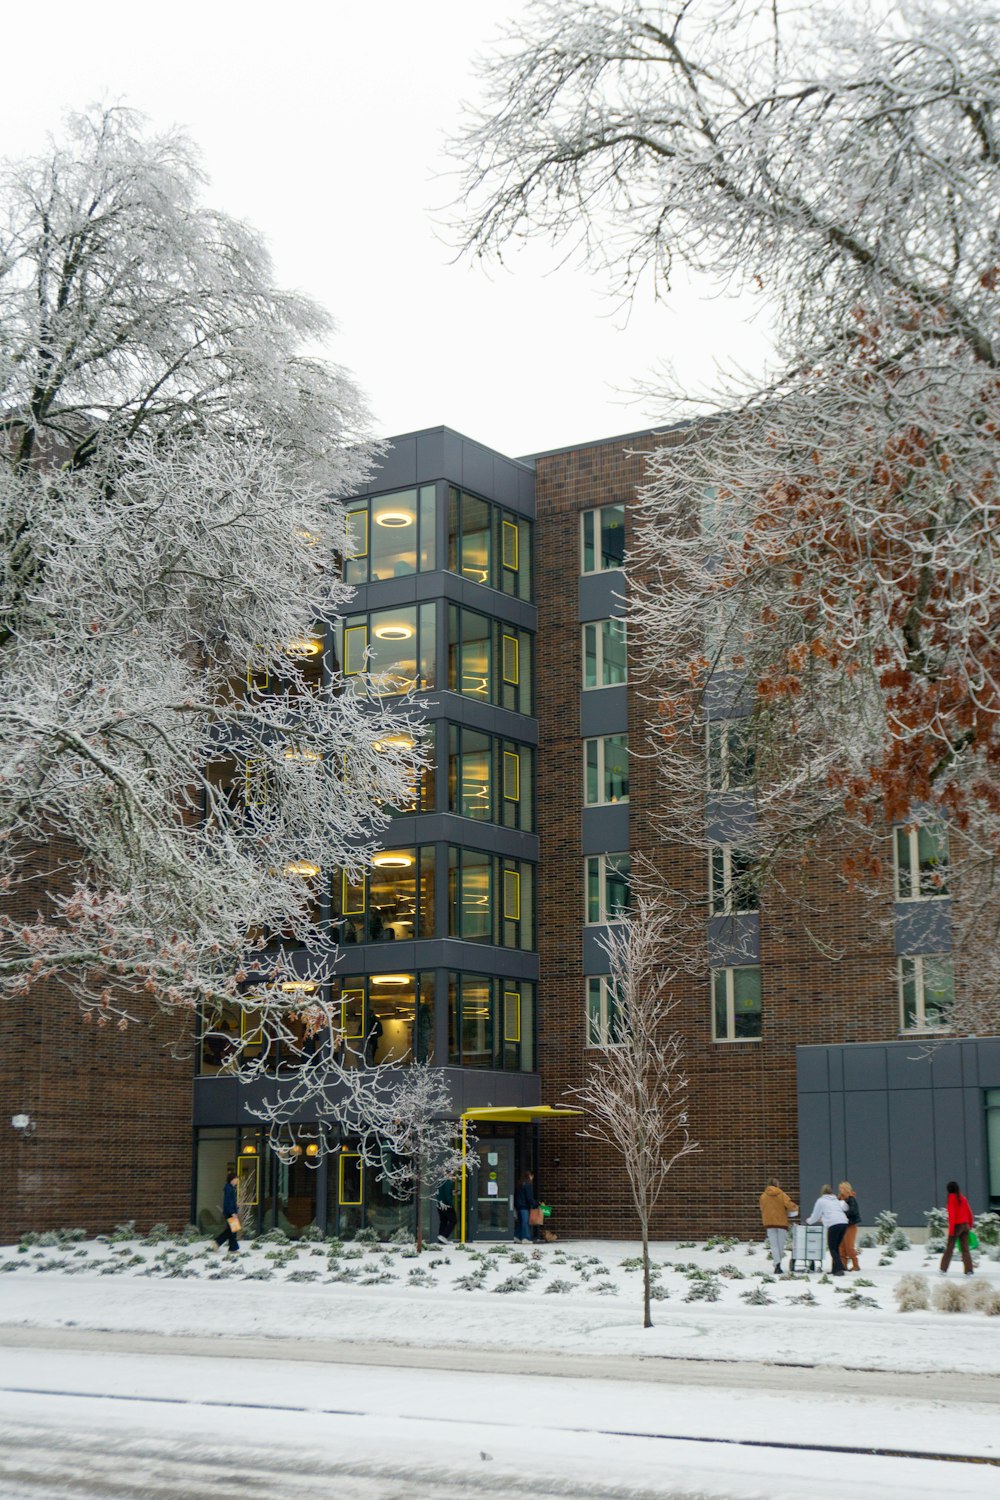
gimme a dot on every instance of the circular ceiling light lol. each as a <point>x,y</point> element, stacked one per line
<point>299,987</point>
<point>392,860</point>
<point>394,742</point>
<point>304,646</point>
<point>395,518</point>
<point>393,632</point>
<point>391,979</point>
<point>303,867</point>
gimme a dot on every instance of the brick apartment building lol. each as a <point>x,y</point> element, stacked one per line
<point>490,587</point>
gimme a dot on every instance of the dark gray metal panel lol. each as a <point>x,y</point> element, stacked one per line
<point>525,491</point>
<point>911,1143</point>
<point>472,1087</point>
<point>864,1068</point>
<point>477,468</point>
<point>734,940</point>
<point>438,455</point>
<point>432,828</point>
<point>946,1065</point>
<point>397,468</point>
<point>216,1101</point>
<point>599,595</point>
<point>949,1151</point>
<point>976,1174</point>
<point>604,711</point>
<point>836,1066</point>
<point>605,829</point>
<point>595,960</point>
<point>908,1067</point>
<point>729,818</point>
<point>988,1063</point>
<point>922,926</point>
<point>838,1130</point>
<point>815,1166</point>
<point>459,709</point>
<point>437,953</point>
<point>866,1161</point>
<point>812,1072</point>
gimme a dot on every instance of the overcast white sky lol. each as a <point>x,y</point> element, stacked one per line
<point>323,124</point>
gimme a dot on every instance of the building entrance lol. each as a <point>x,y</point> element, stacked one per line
<point>493,1194</point>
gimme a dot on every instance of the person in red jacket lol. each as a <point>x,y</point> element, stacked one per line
<point>959,1224</point>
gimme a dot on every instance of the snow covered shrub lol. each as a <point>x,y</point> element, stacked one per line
<point>474,1282</point>
<point>512,1284</point>
<point>311,1235</point>
<point>855,1299</point>
<point>867,1241</point>
<point>804,1299</point>
<point>263,1274</point>
<point>272,1237</point>
<point>992,1307</point>
<point>900,1240</point>
<point>366,1237</point>
<point>721,1242</point>
<point>981,1295</point>
<point>658,1293</point>
<point>731,1272</point>
<point>951,1297</point>
<point>988,1229</point>
<point>557,1287</point>
<point>604,1289</point>
<point>124,1231</point>
<point>757,1297</point>
<point>29,1238</point>
<point>885,1226</point>
<point>334,1245</point>
<point>401,1237</point>
<point>862,1281</point>
<point>704,1291</point>
<point>48,1238</point>
<point>378,1278</point>
<point>937,1223</point>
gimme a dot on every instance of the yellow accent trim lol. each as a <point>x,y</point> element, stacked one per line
<point>347,996</point>
<point>512,1015</point>
<point>520,1115</point>
<point>512,896</point>
<point>255,783</point>
<point>511,659</point>
<point>348,890</point>
<point>509,545</point>
<point>352,666</point>
<point>511,776</point>
<point>351,1202</point>
<point>243,1166</point>
<point>362,551</point>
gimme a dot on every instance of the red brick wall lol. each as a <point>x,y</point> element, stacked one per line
<point>111,1111</point>
<point>742,1095</point>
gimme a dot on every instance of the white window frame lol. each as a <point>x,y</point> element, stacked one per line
<point>603,919</point>
<point>920,1024</point>
<point>730,973</point>
<point>729,906</point>
<point>595,511</point>
<point>604,1040</point>
<point>722,726</point>
<point>600,741</point>
<point>598,626</point>
<point>917,891</point>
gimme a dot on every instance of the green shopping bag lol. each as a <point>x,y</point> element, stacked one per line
<point>973,1240</point>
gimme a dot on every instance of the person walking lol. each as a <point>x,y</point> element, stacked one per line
<point>831,1213</point>
<point>775,1209</point>
<point>960,1222</point>
<point>230,1205</point>
<point>446,1210</point>
<point>849,1244</point>
<point>524,1202</point>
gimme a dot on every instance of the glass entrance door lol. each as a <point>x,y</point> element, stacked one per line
<point>495,1190</point>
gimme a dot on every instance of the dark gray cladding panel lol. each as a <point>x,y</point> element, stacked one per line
<point>866,1162</point>
<point>909,1066</point>
<point>730,818</point>
<point>600,594</point>
<point>604,711</point>
<point>923,926</point>
<point>814,1146</point>
<point>472,1087</point>
<point>734,940</point>
<point>605,829</point>
<point>439,453</point>
<point>812,1071</point>
<point>911,1120</point>
<point>864,1068</point>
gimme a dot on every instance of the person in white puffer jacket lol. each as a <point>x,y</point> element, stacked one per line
<point>831,1213</point>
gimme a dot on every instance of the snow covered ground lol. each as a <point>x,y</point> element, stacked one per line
<point>136,1370</point>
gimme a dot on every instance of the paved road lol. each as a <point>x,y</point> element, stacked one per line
<point>86,1415</point>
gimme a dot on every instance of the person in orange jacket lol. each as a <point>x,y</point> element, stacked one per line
<point>775,1208</point>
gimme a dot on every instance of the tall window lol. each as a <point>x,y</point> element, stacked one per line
<point>926,991</point>
<point>491,899</point>
<point>488,544</point>
<point>605,775</point>
<point>605,659</point>
<point>730,754</point>
<point>384,1018</point>
<point>608,887</point>
<point>921,862</point>
<point>602,539</point>
<point>736,1008</point>
<point>391,536</point>
<point>393,900</point>
<point>602,1012</point>
<point>733,881</point>
<point>489,659</point>
<point>391,651</point>
<point>490,779</point>
<point>491,1022</point>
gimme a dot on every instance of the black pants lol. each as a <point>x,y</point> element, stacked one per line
<point>230,1235</point>
<point>834,1235</point>
<point>446,1221</point>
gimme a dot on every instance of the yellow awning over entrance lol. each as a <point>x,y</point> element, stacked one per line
<point>529,1114</point>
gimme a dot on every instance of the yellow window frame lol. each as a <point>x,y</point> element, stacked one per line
<point>511,656</point>
<point>362,550</point>
<point>346,1156</point>
<point>355,648</point>
<point>511,776</point>
<point>512,895</point>
<point>350,888</point>
<point>244,1165</point>
<point>346,997</point>
<point>251,1033</point>
<point>255,782</point>
<point>509,541</point>
<point>512,1015</point>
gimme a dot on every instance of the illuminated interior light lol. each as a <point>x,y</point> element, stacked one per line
<point>303,867</point>
<point>395,860</point>
<point>393,632</point>
<point>303,646</point>
<point>305,535</point>
<point>312,1149</point>
<point>394,742</point>
<point>299,987</point>
<point>293,753</point>
<point>249,1151</point>
<point>395,518</point>
<point>398,980</point>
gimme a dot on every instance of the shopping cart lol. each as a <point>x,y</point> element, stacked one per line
<point>808,1244</point>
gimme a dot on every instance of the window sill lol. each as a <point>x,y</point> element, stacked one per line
<point>736,1041</point>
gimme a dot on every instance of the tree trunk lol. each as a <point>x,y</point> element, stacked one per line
<point>647,1320</point>
<point>420,1215</point>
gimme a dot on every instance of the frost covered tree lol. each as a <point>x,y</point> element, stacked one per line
<point>819,556</point>
<point>635,1093</point>
<point>170,776</point>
